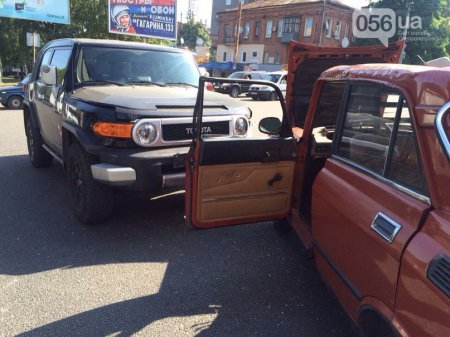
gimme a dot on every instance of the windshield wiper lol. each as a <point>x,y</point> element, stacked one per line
<point>103,82</point>
<point>146,82</point>
<point>182,84</point>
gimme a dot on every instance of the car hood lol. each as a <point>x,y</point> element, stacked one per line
<point>11,88</point>
<point>155,100</point>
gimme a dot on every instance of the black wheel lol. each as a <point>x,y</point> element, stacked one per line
<point>39,157</point>
<point>92,202</point>
<point>273,96</point>
<point>235,92</point>
<point>15,102</point>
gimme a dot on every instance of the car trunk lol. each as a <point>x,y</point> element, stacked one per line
<point>307,62</point>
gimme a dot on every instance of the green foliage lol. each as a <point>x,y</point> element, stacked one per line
<point>89,19</point>
<point>430,41</point>
<point>190,31</point>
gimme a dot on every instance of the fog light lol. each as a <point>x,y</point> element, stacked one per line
<point>241,126</point>
<point>144,133</point>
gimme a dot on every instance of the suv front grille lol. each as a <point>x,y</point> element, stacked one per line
<point>171,132</point>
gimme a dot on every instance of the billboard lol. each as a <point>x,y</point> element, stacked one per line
<point>56,11</point>
<point>148,18</point>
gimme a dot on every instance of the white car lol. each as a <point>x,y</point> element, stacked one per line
<point>265,92</point>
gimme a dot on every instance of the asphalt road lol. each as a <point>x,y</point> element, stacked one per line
<point>142,273</point>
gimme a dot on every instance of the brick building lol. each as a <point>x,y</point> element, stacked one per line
<point>221,6</point>
<point>267,26</point>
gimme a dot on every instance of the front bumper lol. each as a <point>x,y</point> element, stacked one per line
<point>259,94</point>
<point>146,171</point>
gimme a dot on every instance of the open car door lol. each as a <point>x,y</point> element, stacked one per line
<point>236,180</point>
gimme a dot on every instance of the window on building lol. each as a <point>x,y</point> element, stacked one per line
<point>308,26</point>
<point>291,24</point>
<point>244,56</point>
<point>255,53</point>
<point>346,30</point>
<point>337,30</point>
<point>228,2</point>
<point>257,28</point>
<point>280,28</point>
<point>268,29</point>
<point>328,27</point>
<point>235,30</point>
<point>224,56</point>
<point>227,30</point>
<point>277,58</point>
<point>266,58</point>
<point>246,30</point>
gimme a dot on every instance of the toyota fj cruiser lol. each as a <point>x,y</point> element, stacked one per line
<point>118,115</point>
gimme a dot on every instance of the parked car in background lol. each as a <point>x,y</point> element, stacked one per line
<point>12,96</point>
<point>235,89</point>
<point>118,115</point>
<point>265,92</point>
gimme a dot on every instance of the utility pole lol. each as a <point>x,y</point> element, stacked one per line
<point>405,31</point>
<point>236,52</point>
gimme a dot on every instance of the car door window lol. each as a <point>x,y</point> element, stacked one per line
<point>45,60</point>
<point>378,136</point>
<point>60,59</point>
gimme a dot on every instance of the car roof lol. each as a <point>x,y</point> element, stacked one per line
<point>423,84</point>
<point>111,43</point>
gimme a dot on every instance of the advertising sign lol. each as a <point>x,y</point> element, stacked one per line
<point>148,18</point>
<point>56,11</point>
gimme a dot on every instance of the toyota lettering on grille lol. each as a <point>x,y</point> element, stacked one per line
<point>205,129</point>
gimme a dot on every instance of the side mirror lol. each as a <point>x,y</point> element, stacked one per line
<point>270,125</point>
<point>48,74</point>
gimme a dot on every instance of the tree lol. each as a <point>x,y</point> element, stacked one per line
<point>427,32</point>
<point>190,32</point>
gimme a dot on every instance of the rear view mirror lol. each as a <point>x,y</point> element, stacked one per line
<point>270,125</point>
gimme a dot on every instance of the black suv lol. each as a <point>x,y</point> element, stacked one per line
<point>118,115</point>
<point>235,89</point>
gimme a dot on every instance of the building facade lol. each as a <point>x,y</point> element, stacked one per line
<point>267,26</point>
<point>221,6</point>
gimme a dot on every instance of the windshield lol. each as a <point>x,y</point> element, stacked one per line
<point>274,77</point>
<point>103,65</point>
<point>236,75</point>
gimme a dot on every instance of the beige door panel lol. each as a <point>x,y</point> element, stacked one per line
<point>244,190</point>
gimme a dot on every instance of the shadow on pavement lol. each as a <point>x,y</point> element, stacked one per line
<point>250,280</point>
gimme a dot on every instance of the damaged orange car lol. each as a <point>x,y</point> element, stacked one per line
<point>366,188</point>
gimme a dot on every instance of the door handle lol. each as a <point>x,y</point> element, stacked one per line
<point>276,177</point>
<point>385,227</point>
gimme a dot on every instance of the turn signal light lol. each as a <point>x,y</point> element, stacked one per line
<point>117,130</point>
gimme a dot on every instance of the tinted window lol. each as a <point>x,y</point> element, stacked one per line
<point>378,136</point>
<point>99,64</point>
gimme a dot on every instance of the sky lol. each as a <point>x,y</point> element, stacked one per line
<point>202,8</point>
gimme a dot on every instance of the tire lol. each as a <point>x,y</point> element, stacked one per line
<point>235,92</point>
<point>15,102</point>
<point>273,96</point>
<point>39,157</point>
<point>92,202</point>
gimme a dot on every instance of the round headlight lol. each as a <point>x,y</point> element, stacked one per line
<point>144,133</point>
<point>241,126</point>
